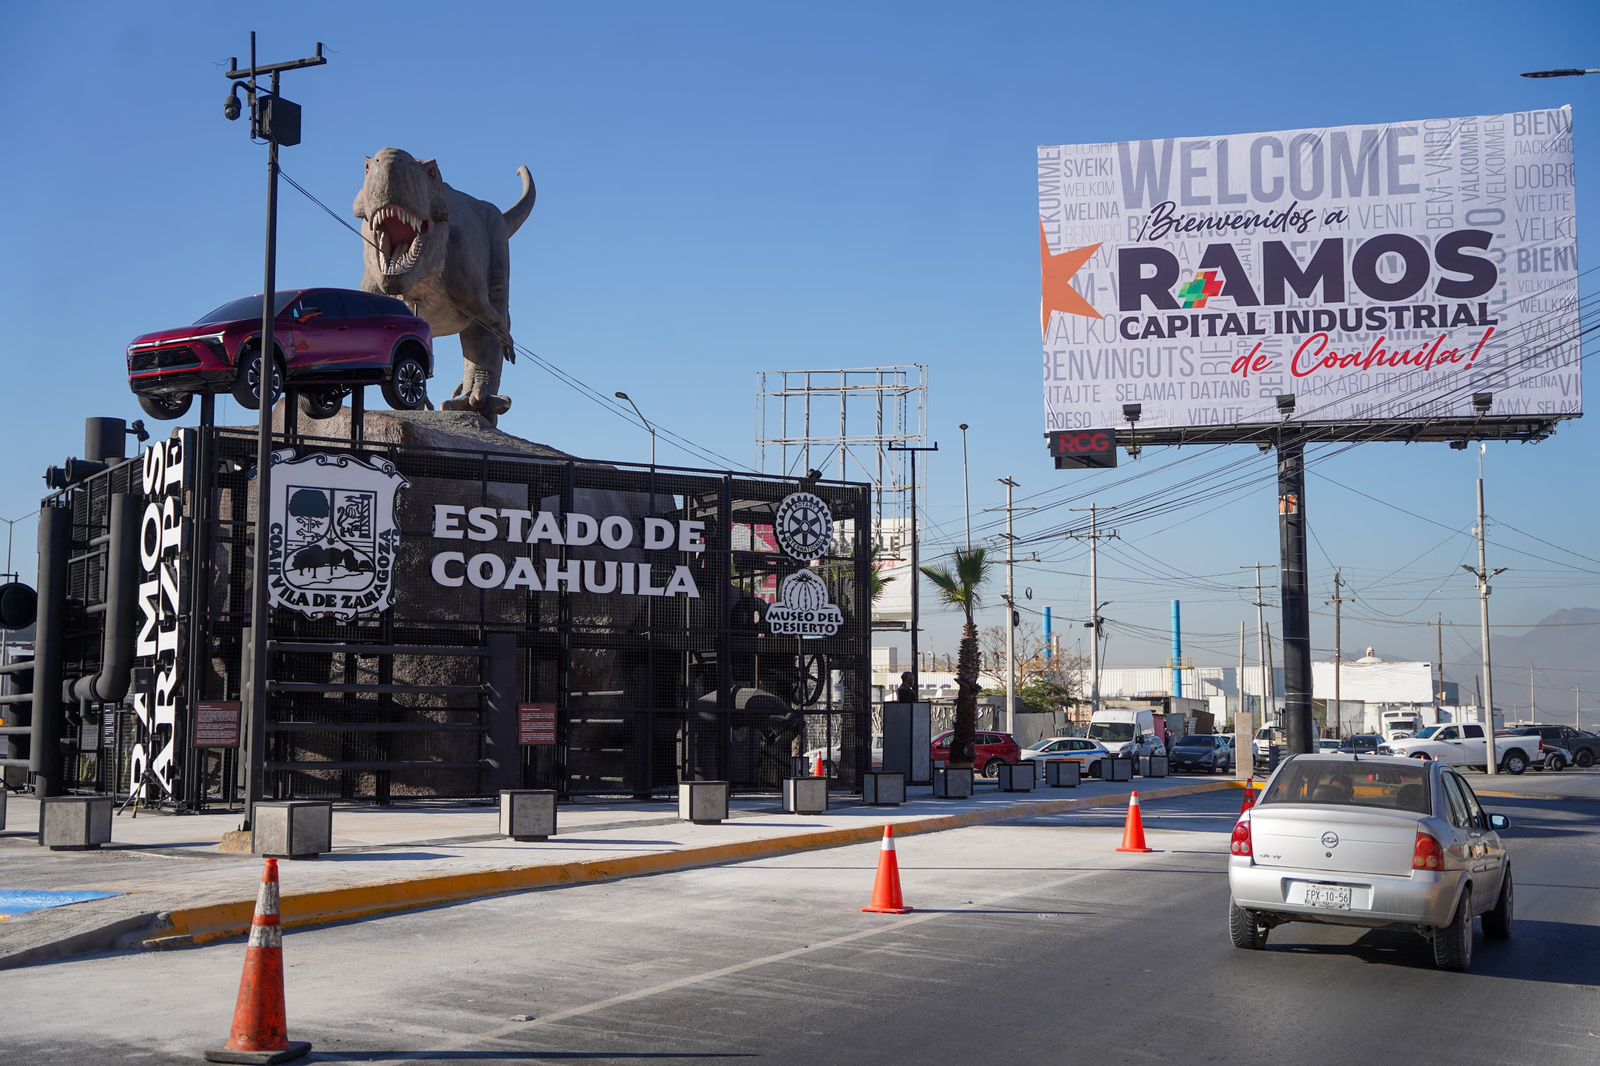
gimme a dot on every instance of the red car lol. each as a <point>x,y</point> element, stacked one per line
<point>325,341</point>
<point>989,751</point>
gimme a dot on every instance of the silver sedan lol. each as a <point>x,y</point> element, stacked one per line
<point>1370,841</point>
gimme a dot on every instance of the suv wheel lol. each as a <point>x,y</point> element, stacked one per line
<point>992,768</point>
<point>1584,758</point>
<point>322,403</point>
<point>247,386</point>
<point>1514,763</point>
<point>166,408</point>
<point>407,387</point>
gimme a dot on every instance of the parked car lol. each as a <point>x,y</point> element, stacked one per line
<point>1582,746</point>
<point>1271,744</point>
<point>1362,743</point>
<point>1371,842</point>
<point>1328,744</point>
<point>1127,731</point>
<point>1462,744</point>
<point>1201,752</point>
<point>324,341</point>
<point>990,750</point>
<point>1086,753</point>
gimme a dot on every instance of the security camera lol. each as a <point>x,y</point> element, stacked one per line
<point>230,106</point>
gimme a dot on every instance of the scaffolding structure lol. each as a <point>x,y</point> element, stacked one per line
<point>841,424</point>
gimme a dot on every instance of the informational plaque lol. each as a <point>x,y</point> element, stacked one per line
<point>536,724</point>
<point>216,725</point>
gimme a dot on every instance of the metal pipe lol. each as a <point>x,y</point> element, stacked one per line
<point>44,751</point>
<point>110,683</point>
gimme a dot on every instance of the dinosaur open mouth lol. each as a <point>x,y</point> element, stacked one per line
<point>398,236</point>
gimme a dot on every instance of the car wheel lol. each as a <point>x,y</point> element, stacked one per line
<point>1554,763</point>
<point>407,387</point>
<point>1514,763</point>
<point>1245,928</point>
<point>322,403</point>
<point>1452,944</point>
<point>991,768</point>
<point>1423,756</point>
<point>1497,923</point>
<point>1585,758</point>
<point>247,386</point>
<point>166,408</point>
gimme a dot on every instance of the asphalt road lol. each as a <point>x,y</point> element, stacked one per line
<point>1031,940</point>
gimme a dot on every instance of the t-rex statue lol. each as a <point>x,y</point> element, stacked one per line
<point>448,256</point>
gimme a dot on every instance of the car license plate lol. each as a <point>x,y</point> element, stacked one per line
<point>1333,897</point>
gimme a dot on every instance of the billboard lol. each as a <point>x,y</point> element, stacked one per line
<point>1379,274</point>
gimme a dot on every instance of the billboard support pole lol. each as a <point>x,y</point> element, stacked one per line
<point>1295,585</point>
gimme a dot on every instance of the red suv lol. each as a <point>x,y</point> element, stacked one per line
<point>989,751</point>
<point>324,340</point>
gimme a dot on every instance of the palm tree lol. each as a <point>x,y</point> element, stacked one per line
<point>962,586</point>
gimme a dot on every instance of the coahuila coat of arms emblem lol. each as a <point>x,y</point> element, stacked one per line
<point>332,537</point>
<point>803,609</point>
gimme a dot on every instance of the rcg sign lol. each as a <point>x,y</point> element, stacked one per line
<point>1083,449</point>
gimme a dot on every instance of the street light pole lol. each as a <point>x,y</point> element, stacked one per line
<point>916,560</point>
<point>1483,574</point>
<point>647,424</point>
<point>282,126</point>
<point>1566,72</point>
<point>966,495</point>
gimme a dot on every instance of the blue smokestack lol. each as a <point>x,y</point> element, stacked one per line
<point>1177,649</point>
<point>1047,653</point>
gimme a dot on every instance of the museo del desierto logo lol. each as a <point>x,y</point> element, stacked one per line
<point>803,526</point>
<point>803,609</point>
<point>331,534</point>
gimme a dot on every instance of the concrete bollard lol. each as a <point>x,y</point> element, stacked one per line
<point>2,805</point>
<point>1018,776</point>
<point>293,829</point>
<point>703,802</point>
<point>74,823</point>
<point>805,795</point>
<point>952,782</point>
<point>883,788</point>
<point>1153,766</point>
<point>528,813</point>
<point>1116,769</point>
<point>1062,773</point>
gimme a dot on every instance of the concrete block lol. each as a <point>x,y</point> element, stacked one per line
<point>2,806</point>
<point>1062,773</point>
<point>1116,769</point>
<point>703,802</point>
<point>805,795</point>
<point>883,788</point>
<point>74,823</point>
<point>1018,776</point>
<point>293,829</point>
<point>952,782</point>
<point>528,813</point>
<point>1153,766</point>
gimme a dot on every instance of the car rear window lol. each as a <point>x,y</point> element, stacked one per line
<point>1396,786</point>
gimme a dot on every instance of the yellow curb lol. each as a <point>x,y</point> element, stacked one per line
<point>218,921</point>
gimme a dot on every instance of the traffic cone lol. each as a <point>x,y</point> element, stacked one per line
<point>1133,833</point>
<point>817,769</point>
<point>260,1030</point>
<point>1249,795</point>
<point>886,890</point>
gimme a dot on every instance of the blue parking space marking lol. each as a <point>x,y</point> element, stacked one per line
<point>15,901</point>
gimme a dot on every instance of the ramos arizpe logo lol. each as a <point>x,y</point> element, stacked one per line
<point>331,536</point>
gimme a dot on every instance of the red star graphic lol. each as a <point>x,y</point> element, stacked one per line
<point>1059,295</point>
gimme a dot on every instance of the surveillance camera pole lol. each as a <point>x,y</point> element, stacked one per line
<point>256,726</point>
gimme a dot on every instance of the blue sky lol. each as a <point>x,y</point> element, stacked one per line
<point>729,187</point>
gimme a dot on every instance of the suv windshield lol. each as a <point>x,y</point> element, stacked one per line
<point>246,307</point>
<point>1196,742</point>
<point>1116,732</point>
<point>1351,783</point>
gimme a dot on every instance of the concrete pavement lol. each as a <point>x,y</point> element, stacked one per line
<point>1032,939</point>
<point>175,887</point>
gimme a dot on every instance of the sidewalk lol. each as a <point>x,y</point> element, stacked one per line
<point>174,888</point>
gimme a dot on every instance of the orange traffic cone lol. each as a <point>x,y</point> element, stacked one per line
<point>1249,795</point>
<point>260,1030</point>
<point>1133,834</point>
<point>817,769</point>
<point>886,890</point>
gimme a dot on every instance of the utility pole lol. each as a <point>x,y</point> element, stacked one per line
<point>1094,537</point>
<point>1577,706</point>
<point>966,493</point>
<point>1483,574</point>
<point>1261,640</point>
<point>1533,711</point>
<point>1240,682</point>
<point>1438,704</point>
<point>916,569</point>
<point>277,121</point>
<point>1338,648</point>
<point>1011,615</point>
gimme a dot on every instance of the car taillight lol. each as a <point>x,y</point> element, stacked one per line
<point>1240,844</point>
<point>1428,854</point>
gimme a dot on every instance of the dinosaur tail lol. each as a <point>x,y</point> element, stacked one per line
<point>518,213</point>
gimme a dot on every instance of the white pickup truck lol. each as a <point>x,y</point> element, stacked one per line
<point>1462,744</point>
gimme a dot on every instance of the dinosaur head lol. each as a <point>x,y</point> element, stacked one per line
<point>404,219</point>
